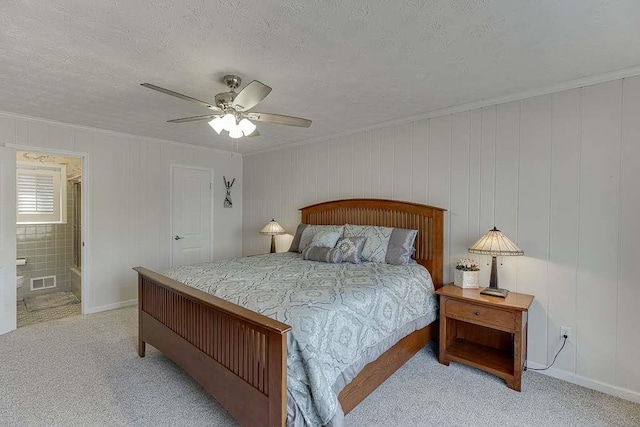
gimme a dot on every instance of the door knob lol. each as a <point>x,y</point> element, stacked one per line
<point>178,238</point>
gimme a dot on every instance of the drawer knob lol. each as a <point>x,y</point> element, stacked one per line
<point>477,313</point>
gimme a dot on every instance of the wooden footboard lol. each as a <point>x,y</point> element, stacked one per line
<point>237,355</point>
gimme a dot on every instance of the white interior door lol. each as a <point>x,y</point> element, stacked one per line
<point>7,240</point>
<point>191,215</point>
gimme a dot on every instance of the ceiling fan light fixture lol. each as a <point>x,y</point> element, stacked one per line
<point>246,127</point>
<point>217,124</point>
<point>235,133</point>
<point>229,122</point>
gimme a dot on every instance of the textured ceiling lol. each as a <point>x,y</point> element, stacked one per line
<point>345,64</point>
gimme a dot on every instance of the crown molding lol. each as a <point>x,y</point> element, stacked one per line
<point>116,133</point>
<point>546,90</point>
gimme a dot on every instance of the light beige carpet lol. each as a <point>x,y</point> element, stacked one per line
<point>84,371</point>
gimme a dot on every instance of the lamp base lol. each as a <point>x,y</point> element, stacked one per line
<point>493,288</point>
<point>495,292</point>
<point>273,244</point>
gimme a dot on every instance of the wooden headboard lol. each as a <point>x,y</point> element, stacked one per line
<point>428,220</point>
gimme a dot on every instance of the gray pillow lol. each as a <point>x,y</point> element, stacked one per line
<point>400,246</point>
<point>352,247</point>
<point>296,239</point>
<point>316,253</point>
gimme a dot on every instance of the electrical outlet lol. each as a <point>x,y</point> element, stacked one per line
<point>565,330</point>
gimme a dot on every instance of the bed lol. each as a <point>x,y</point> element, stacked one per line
<point>240,355</point>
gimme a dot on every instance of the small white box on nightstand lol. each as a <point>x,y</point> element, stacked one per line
<point>466,279</point>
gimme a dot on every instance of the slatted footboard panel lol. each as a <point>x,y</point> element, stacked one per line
<point>238,355</point>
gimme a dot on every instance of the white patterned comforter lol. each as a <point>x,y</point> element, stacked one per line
<point>337,312</point>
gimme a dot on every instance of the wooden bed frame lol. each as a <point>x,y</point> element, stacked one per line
<point>240,356</point>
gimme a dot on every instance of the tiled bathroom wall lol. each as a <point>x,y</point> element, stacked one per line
<point>49,251</point>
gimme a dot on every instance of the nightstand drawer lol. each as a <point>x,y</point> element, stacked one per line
<point>481,314</point>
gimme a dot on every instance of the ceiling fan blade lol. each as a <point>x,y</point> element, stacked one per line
<point>195,118</point>
<point>181,96</point>
<point>251,95</point>
<point>279,119</point>
<point>252,134</point>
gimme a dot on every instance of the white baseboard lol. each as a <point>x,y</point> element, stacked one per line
<point>112,306</point>
<point>613,390</point>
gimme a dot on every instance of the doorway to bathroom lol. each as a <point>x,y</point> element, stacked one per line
<point>49,236</point>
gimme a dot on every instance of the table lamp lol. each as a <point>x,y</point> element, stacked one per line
<point>495,243</point>
<point>273,228</point>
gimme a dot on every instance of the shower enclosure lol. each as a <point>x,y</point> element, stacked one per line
<point>76,238</point>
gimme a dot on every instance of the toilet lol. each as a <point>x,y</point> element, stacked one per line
<point>20,281</point>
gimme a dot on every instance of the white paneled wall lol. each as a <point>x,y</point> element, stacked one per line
<point>129,191</point>
<point>557,173</point>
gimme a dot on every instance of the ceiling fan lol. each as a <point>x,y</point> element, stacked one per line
<point>232,109</point>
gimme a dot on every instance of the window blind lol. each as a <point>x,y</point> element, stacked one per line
<point>36,193</point>
<point>41,192</point>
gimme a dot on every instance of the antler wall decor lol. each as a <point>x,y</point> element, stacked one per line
<point>228,184</point>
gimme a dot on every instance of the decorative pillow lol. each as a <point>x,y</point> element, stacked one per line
<point>316,253</point>
<point>375,248</point>
<point>296,239</point>
<point>311,230</point>
<point>352,247</point>
<point>326,239</point>
<point>400,246</point>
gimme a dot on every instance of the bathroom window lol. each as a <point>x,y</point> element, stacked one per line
<point>41,194</point>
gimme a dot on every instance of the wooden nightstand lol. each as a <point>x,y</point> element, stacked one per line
<point>488,333</point>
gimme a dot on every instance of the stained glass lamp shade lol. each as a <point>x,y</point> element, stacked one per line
<point>273,228</point>
<point>495,243</point>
